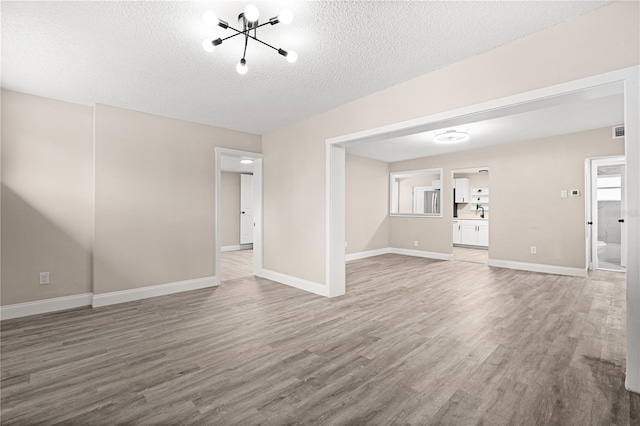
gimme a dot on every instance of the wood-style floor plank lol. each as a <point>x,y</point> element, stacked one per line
<point>414,342</point>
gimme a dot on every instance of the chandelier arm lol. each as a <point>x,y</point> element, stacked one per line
<point>266,44</point>
<point>238,32</point>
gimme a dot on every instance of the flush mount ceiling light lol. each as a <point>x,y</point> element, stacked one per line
<point>246,161</point>
<point>249,21</point>
<point>451,136</point>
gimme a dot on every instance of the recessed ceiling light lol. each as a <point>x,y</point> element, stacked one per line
<point>246,161</point>
<point>451,136</point>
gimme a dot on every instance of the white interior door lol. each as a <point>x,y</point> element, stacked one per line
<point>246,209</point>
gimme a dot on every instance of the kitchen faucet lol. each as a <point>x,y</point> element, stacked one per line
<point>481,214</point>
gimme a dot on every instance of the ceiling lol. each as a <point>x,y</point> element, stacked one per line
<point>589,109</point>
<point>230,163</point>
<point>147,56</point>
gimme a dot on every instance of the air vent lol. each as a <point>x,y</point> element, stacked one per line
<point>618,132</point>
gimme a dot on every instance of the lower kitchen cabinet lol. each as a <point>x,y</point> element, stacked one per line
<point>471,232</point>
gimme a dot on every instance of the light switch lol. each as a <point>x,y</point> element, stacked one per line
<point>563,193</point>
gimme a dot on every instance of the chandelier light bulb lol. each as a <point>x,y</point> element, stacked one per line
<point>209,17</point>
<point>286,16</point>
<point>242,67</point>
<point>292,56</point>
<point>252,13</point>
<point>207,45</point>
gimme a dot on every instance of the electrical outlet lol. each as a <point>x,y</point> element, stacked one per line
<point>415,244</point>
<point>575,192</point>
<point>533,249</point>
<point>44,278</point>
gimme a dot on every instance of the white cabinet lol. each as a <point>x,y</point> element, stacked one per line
<point>462,190</point>
<point>483,235</point>
<point>456,231</point>
<point>471,232</point>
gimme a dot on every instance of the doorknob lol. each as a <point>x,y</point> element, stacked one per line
<point>621,220</point>
<point>242,212</point>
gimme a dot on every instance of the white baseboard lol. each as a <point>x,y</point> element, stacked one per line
<point>537,267</point>
<point>296,282</point>
<point>365,254</point>
<point>236,247</point>
<point>123,296</point>
<point>393,250</point>
<point>44,306</point>
<point>420,253</point>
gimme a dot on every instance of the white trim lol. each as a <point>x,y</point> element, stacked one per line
<point>335,268</point>
<point>296,282</point>
<point>538,267</point>
<point>414,125</point>
<point>257,213</point>
<point>236,247</point>
<point>43,306</point>
<point>368,253</point>
<point>152,291</point>
<point>420,253</point>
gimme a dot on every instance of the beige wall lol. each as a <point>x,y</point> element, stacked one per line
<point>475,179</point>
<point>154,198</point>
<point>229,209</point>
<point>154,203</point>
<point>367,204</point>
<point>47,189</point>
<point>526,208</point>
<point>294,190</point>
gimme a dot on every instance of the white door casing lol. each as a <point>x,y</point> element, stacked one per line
<point>257,208</point>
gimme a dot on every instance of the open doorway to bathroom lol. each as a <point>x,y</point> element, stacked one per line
<point>471,214</point>
<point>607,221</point>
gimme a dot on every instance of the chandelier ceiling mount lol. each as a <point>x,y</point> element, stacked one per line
<point>249,21</point>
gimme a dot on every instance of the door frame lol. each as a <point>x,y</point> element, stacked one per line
<point>629,77</point>
<point>258,253</point>
<point>591,201</point>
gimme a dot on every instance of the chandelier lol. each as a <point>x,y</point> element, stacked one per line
<point>249,22</point>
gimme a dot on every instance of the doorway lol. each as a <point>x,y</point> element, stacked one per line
<point>471,214</point>
<point>238,214</point>
<point>606,219</point>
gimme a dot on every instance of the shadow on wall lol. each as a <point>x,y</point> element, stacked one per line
<point>32,243</point>
<point>381,233</point>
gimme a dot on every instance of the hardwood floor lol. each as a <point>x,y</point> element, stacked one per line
<point>236,264</point>
<point>465,254</point>
<point>414,341</point>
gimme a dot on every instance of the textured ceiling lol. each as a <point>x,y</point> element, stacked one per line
<point>147,56</point>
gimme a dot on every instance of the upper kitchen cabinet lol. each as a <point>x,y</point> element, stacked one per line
<point>462,190</point>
